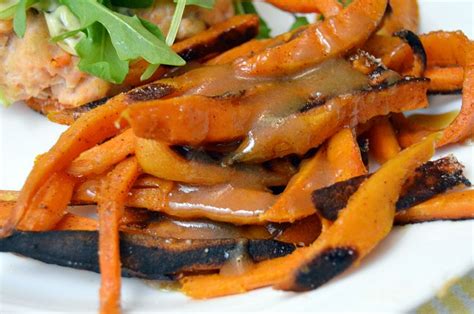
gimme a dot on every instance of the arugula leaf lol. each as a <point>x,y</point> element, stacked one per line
<point>175,21</point>
<point>8,9</point>
<point>133,4</point>
<point>155,30</point>
<point>99,57</point>
<point>299,21</point>
<point>151,69</point>
<point>174,28</point>
<point>19,21</point>
<point>247,7</point>
<point>130,38</point>
<point>207,4</point>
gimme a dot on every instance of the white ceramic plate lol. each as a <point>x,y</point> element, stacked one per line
<point>405,270</point>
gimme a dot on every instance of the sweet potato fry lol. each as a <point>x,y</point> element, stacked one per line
<point>338,160</point>
<point>444,49</point>
<point>225,203</point>
<point>67,222</point>
<point>247,49</point>
<point>419,53</point>
<point>158,159</point>
<point>300,132</point>
<point>403,14</point>
<point>383,140</point>
<point>463,126</point>
<point>448,80</point>
<point>98,159</point>
<point>72,222</point>
<point>89,130</point>
<point>450,206</point>
<point>366,221</point>
<point>326,7</point>
<point>49,205</point>
<point>333,37</point>
<point>191,120</point>
<point>348,232</point>
<point>111,203</point>
<point>429,180</point>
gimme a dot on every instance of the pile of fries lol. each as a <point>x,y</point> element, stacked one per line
<point>264,148</point>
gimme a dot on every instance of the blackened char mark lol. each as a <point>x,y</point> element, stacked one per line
<point>151,91</point>
<point>330,200</point>
<point>445,92</point>
<point>142,256</point>
<point>432,178</point>
<point>323,268</point>
<point>313,102</point>
<point>226,40</point>
<point>429,180</point>
<point>415,44</point>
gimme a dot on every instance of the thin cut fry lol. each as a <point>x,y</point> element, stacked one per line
<point>87,132</point>
<point>355,228</point>
<point>111,203</point>
<point>445,80</point>
<point>404,14</point>
<point>463,126</point>
<point>451,206</point>
<point>383,140</point>
<point>333,37</point>
<point>366,220</point>
<point>158,159</point>
<point>49,205</point>
<point>326,7</point>
<point>338,160</point>
<point>99,159</point>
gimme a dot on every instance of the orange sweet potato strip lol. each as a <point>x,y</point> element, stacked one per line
<point>367,220</point>
<point>72,222</point>
<point>463,126</point>
<point>450,206</point>
<point>158,159</point>
<point>311,128</point>
<point>89,130</point>
<point>355,229</point>
<point>320,41</point>
<point>111,203</point>
<point>100,158</point>
<point>191,119</point>
<point>224,202</point>
<point>445,80</point>
<point>383,140</point>
<point>247,49</point>
<point>404,14</point>
<point>326,7</point>
<point>49,205</point>
<point>338,160</point>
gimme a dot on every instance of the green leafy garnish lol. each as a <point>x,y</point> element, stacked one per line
<point>133,4</point>
<point>99,57</point>
<point>174,28</point>
<point>129,37</point>
<point>299,21</point>
<point>111,39</point>
<point>19,21</point>
<point>207,4</point>
<point>247,7</point>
